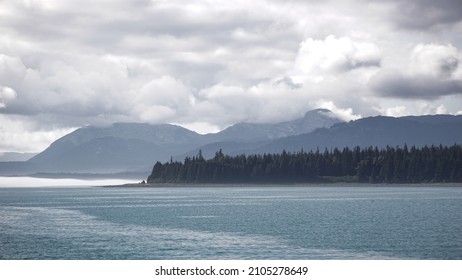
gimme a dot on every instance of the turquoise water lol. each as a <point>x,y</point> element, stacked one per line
<point>240,222</point>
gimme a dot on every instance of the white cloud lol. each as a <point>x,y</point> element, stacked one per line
<point>397,111</point>
<point>436,60</point>
<point>224,103</point>
<point>430,72</point>
<point>165,91</point>
<point>201,127</point>
<point>21,135</point>
<point>161,100</point>
<point>209,64</point>
<point>345,114</point>
<point>430,109</point>
<point>268,101</point>
<point>12,70</point>
<point>333,56</point>
<point>6,95</point>
<point>418,107</point>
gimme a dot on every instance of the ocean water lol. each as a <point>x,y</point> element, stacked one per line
<point>239,222</point>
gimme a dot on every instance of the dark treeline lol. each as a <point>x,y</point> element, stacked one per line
<point>388,165</point>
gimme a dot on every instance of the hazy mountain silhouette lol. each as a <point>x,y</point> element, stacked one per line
<point>258,132</point>
<point>120,147</point>
<point>375,131</point>
<point>125,147</point>
<point>132,146</point>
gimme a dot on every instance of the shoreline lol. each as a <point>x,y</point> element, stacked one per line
<point>272,185</point>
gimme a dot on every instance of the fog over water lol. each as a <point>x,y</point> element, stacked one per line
<point>28,182</point>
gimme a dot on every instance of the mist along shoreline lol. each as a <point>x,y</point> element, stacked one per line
<point>279,184</point>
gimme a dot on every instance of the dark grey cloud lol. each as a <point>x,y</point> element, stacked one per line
<point>425,14</point>
<point>289,82</point>
<point>104,26</point>
<point>414,87</point>
<point>448,67</point>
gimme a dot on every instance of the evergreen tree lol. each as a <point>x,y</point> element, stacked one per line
<point>389,165</point>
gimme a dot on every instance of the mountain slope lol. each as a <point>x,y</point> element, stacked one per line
<point>259,132</point>
<point>244,137</point>
<point>375,131</point>
<point>120,147</point>
<point>130,146</point>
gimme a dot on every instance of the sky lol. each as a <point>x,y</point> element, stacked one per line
<point>206,65</point>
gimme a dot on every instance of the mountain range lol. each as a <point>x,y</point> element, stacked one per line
<point>134,147</point>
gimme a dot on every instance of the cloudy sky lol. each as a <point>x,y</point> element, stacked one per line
<point>209,64</point>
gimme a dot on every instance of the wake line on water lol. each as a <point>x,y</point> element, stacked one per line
<point>86,237</point>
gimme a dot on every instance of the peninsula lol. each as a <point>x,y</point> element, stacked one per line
<point>434,164</point>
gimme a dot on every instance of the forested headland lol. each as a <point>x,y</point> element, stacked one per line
<point>372,165</point>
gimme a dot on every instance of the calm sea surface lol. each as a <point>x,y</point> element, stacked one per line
<point>240,222</point>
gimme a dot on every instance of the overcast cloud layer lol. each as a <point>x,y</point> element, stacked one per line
<point>209,64</point>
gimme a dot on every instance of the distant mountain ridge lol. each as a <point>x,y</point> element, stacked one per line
<point>377,132</point>
<point>132,147</point>
<point>258,132</point>
<point>120,147</point>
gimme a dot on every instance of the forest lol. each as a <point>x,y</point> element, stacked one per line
<point>370,165</point>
